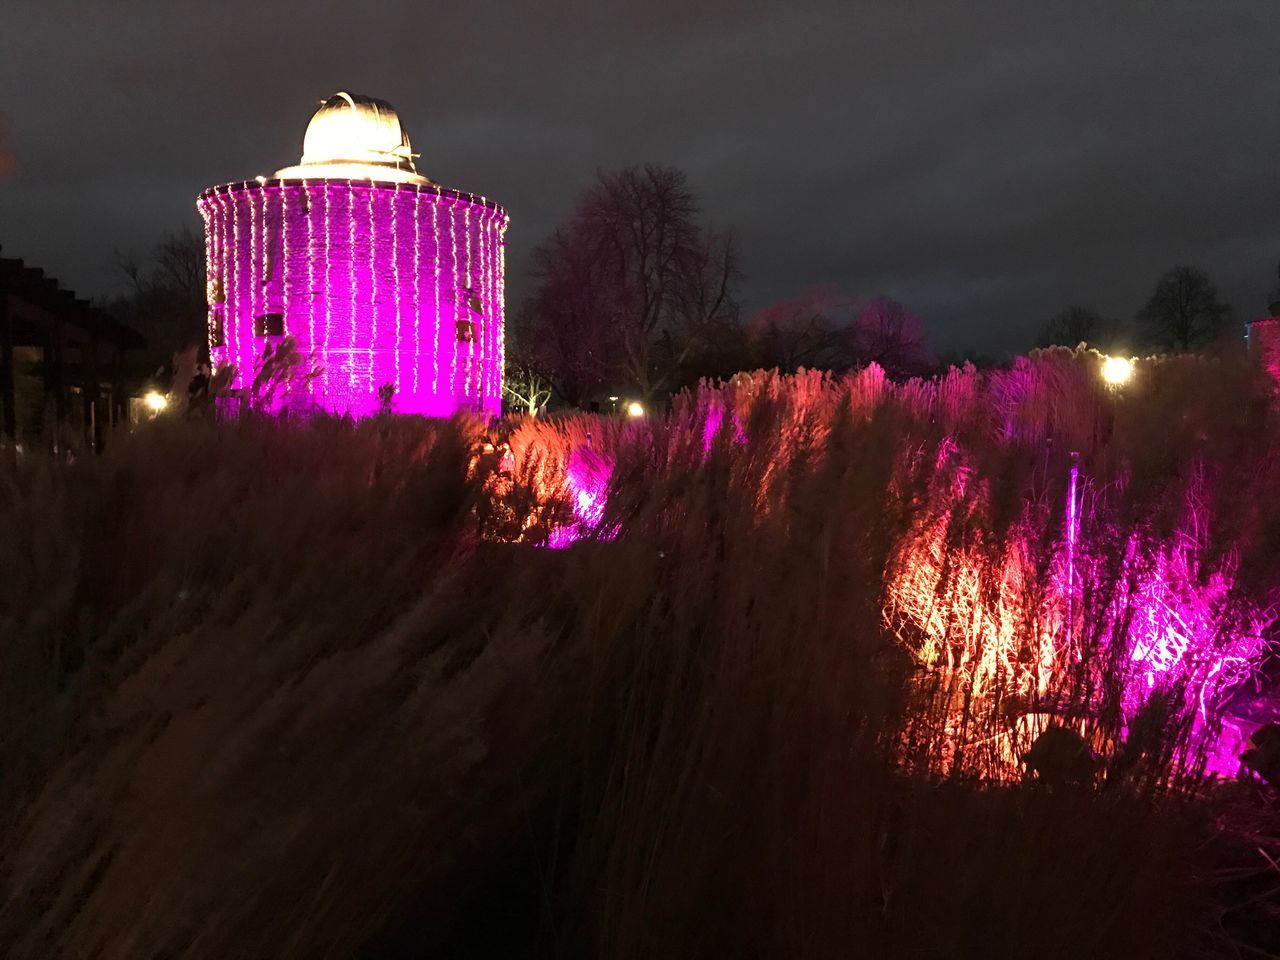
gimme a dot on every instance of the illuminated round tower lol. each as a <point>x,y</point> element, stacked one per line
<point>379,274</point>
<point>1263,337</point>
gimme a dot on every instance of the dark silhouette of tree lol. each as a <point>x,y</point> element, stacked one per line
<point>1184,312</point>
<point>1273,303</point>
<point>886,333</point>
<point>720,351</point>
<point>557,331</point>
<point>1072,327</point>
<point>805,331</point>
<point>629,287</point>
<point>821,329</point>
<point>166,298</point>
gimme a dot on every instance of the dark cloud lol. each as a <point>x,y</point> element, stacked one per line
<point>987,163</point>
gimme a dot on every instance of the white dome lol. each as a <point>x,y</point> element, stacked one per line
<point>356,138</point>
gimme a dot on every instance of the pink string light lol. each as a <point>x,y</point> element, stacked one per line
<point>351,252</point>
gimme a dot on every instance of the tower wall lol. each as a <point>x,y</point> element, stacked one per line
<point>1264,346</point>
<point>379,283</point>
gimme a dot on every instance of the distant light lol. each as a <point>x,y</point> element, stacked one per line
<point>1117,371</point>
<point>155,401</point>
<point>635,409</point>
<point>261,179</point>
<point>613,399</point>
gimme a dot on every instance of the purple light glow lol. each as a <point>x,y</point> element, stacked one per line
<point>1182,630</point>
<point>587,476</point>
<point>714,420</point>
<point>382,283</point>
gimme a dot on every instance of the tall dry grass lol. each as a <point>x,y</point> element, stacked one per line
<point>275,689</point>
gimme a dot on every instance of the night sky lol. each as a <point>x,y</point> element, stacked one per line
<point>985,163</point>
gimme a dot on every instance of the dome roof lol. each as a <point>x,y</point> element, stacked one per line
<point>356,137</point>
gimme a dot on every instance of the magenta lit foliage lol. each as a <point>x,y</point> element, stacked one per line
<point>587,475</point>
<point>1132,606</point>
<point>1103,590</point>
<point>1190,637</point>
<point>714,421</point>
<point>389,287</point>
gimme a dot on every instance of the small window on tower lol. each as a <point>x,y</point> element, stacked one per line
<point>269,325</point>
<point>466,331</point>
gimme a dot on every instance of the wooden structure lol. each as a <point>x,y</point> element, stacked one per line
<point>62,361</point>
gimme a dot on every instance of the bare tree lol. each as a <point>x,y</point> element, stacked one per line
<point>1184,312</point>
<point>525,386</point>
<point>800,332</point>
<point>166,298</point>
<point>178,264</point>
<point>633,282</point>
<point>558,330</point>
<point>887,333</point>
<point>1072,327</point>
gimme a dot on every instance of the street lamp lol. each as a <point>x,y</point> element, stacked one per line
<point>155,401</point>
<point>635,409</point>
<point>1117,371</point>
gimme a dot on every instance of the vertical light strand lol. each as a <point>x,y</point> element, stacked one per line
<point>244,272</point>
<point>231,315</point>
<point>264,249</point>
<point>215,249</point>
<point>373,297</point>
<point>481,372</point>
<point>245,331</point>
<point>254,251</point>
<point>495,312</point>
<point>502,300</point>
<point>474,347</point>
<point>282,247</point>
<point>351,282</point>
<point>435,295</point>
<point>453,266</point>
<point>395,274</point>
<point>204,223</point>
<point>208,276</point>
<point>224,277</point>
<point>310,255</point>
<point>326,290</point>
<point>417,286</point>
<point>219,263</point>
<point>484,292</point>
<point>495,307</point>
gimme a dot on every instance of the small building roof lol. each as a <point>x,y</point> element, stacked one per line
<point>30,285</point>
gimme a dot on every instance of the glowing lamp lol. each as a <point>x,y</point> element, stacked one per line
<point>635,409</point>
<point>155,401</point>
<point>1117,371</point>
